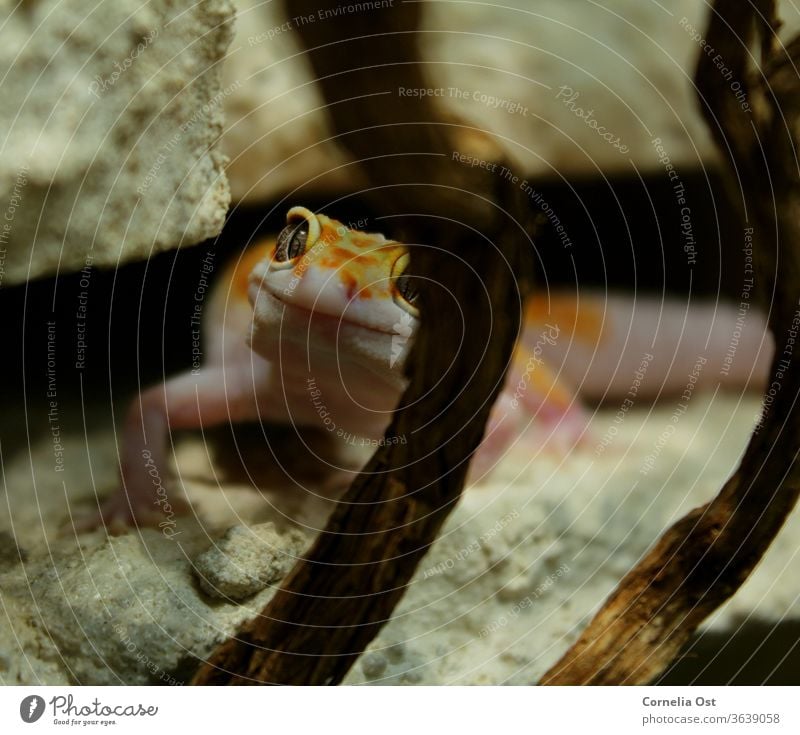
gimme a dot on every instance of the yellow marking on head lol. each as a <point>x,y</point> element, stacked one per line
<point>361,239</point>
<point>342,255</point>
<point>331,231</point>
<point>363,262</point>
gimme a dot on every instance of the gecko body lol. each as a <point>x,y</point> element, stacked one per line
<point>313,327</point>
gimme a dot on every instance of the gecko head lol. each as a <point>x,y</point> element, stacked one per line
<point>327,288</point>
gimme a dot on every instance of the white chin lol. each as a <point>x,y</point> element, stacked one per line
<point>280,330</point>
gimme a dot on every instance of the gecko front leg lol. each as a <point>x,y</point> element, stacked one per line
<point>212,396</point>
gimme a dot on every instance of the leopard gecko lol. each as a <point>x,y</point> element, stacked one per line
<point>312,328</point>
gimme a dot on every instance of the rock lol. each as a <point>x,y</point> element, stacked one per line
<point>549,84</point>
<point>396,652</point>
<point>96,610</point>
<point>116,610</point>
<point>247,560</point>
<point>373,664</point>
<point>279,137</point>
<point>10,552</point>
<point>110,120</point>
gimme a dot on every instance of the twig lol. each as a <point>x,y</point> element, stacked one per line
<point>704,558</point>
<point>336,599</point>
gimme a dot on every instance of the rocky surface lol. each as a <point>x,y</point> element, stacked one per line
<point>110,122</point>
<point>522,563</point>
<point>111,119</point>
<point>247,560</point>
<point>569,88</point>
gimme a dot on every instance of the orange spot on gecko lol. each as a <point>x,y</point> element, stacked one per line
<point>367,261</point>
<point>543,381</point>
<point>339,255</point>
<point>585,322</point>
<point>328,232</point>
<point>363,241</point>
<point>350,283</point>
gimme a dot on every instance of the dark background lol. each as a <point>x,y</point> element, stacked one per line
<point>625,233</point>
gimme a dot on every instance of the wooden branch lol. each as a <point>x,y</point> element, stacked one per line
<point>704,558</point>
<point>336,599</point>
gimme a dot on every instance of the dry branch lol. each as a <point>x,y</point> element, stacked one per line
<point>704,558</point>
<point>336,599</point>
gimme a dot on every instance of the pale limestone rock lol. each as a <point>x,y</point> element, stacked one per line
<point>502,69</point>
<point>116,610</point>
<point>520,566</point>
<point>247,560</point>
<point>276,135</point>
<point>109,123</point>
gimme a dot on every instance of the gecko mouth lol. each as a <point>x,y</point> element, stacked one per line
<point>281,328</point>
<point>318,316</point>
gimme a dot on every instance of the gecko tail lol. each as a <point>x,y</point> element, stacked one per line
<point>610,346</point>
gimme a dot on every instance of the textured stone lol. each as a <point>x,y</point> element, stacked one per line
<point>246,560</point>
<point>117,610</point>
<point>110,120</point>
<point>519,567</point>
<point>373,664</point>
<point>625,68</point>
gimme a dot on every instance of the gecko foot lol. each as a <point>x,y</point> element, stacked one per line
<point>120,513</point>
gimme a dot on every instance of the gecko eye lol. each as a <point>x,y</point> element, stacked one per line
<point>406,288</point>
<point>405,291</point>
<point>291,242</point>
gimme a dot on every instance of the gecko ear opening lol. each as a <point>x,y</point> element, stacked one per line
<point>301,232</point>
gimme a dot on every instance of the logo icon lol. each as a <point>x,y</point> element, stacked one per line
<point>31,708</point>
